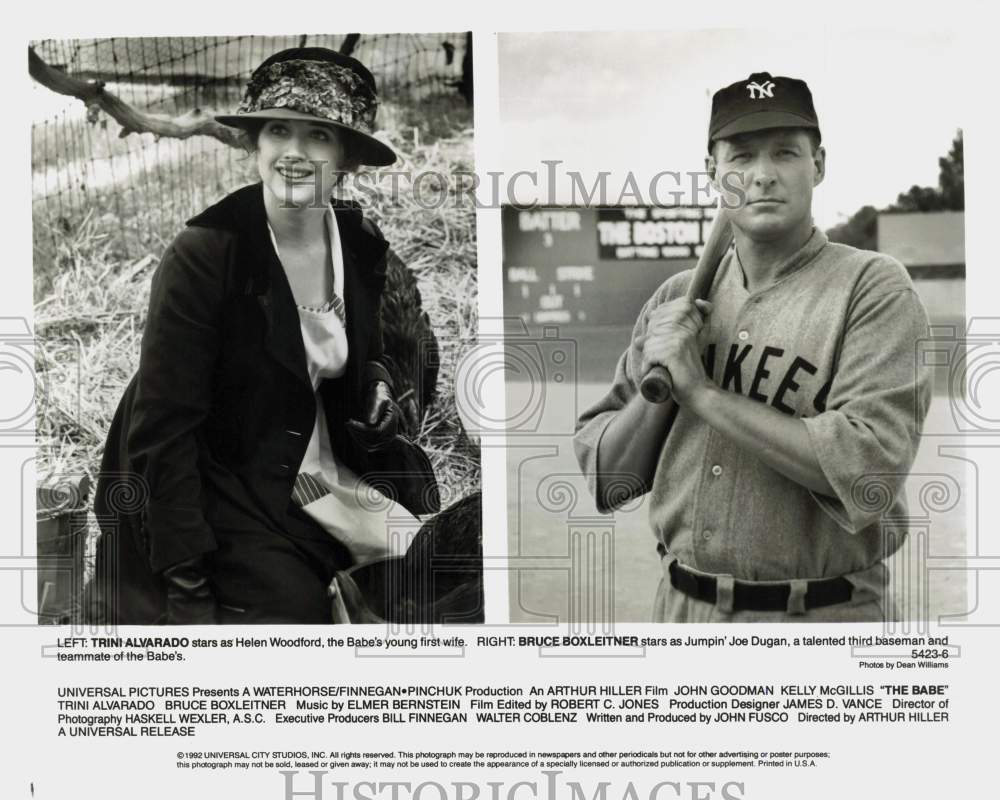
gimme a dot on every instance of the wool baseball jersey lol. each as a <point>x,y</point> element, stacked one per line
<point>832,341</point>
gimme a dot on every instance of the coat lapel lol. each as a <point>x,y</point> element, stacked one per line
<point>364,276</point>
<point>283,337</point>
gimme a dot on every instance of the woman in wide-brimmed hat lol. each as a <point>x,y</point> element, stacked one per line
<point>230,488</point>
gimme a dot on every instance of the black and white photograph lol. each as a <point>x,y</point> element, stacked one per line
<point>503,402</point>
<point>249,309</point>
<point>752,270</point>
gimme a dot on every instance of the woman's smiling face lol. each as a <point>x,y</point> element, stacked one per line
<point>299,161</point>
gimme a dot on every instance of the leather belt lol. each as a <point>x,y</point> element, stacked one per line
<point>760,596</point>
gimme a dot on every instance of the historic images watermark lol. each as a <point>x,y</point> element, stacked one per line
<point>431,190</point>
<point>545,785</point>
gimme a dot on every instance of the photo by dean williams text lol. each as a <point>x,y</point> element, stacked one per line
<point>546,785</point>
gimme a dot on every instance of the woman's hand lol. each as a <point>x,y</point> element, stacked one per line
<point>381,418</point>
<point>190,600</point>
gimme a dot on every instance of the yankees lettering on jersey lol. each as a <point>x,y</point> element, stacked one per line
<point>770,378</point>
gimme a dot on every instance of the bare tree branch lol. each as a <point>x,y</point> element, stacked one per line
<point>193,123</point>
<point>350,42</point>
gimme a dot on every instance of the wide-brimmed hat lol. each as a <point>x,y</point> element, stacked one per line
<point>319,85</point>
<point>759,103</point>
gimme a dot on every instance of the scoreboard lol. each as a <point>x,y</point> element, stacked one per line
<point>594,266</point>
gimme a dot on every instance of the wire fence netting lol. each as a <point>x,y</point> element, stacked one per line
<point>142,187</point>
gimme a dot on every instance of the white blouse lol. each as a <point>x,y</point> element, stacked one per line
<point>350,511</point>
<point>324,335</point>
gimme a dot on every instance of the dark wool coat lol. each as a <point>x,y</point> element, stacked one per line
<point>213,427</point>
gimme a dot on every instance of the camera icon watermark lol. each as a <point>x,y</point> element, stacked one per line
<point>536,370</point>
<point>963,364</point>
<point>23,391</point>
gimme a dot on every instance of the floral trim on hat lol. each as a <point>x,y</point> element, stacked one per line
<point>325,90</point>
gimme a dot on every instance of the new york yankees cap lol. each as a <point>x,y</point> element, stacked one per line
<point>758,103</point>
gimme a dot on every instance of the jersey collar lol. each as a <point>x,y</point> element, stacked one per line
<point>803,256</point>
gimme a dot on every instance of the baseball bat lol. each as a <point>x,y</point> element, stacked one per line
<point>656,385</point>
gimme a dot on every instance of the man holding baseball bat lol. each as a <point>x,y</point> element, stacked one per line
<point>796,399</point>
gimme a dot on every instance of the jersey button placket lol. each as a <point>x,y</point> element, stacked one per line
<point>707,520</point>
<point>751,306</point>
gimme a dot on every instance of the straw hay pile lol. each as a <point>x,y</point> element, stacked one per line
<point>89,324</point>
<point>439,245</point>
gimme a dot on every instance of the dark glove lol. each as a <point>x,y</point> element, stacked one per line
<point>381,419</point>
<point>190,600</point>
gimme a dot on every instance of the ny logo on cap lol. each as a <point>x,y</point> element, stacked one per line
<point>765,89</point>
